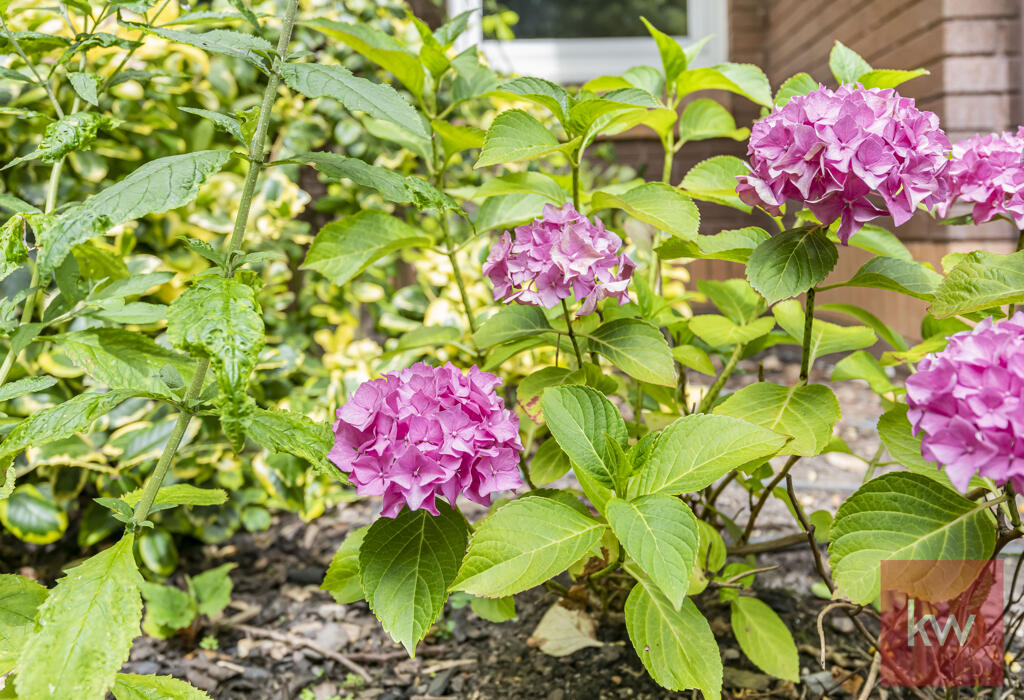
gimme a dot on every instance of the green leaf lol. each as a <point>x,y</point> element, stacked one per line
<point>381,48</point>
<point>673,60</point>
<point>655,203</point>
<point>158,186</point>
<point>512,322</point>
<point>495,610</point>
<point>407,564</point>
<point>223,122</point>
<point>124,359</point>
<point>898,437</point>
<point>904,276</point>
<point>292,433</point>
<point>31,514</point>
<point>765,639</point>
<point>863,365</point>
<point>579,418</point>
<point>523,544</point>
<point>540,91</point>
<point>61,421</point>
<point>456,138</point>
<point>213,589</point>
<point>17,205</point>
<point>527,181</point>
<point>791,262</point>
<point>735,298</point>
<point>376,99</point>
<point>28,385</point>
<point>133,687</point>
<point>743,79</point>
<point>718,330</point>
<point>877,240</point>
<point>696,450</point>
<point>660,533</point>
<point>180,495</point>
<point>342,249</point>
<point>714,180</point>
<point>694,358</point>
<point>637,348</point>
<point>980,281</point>
<point>826,338</point>
<point>219,318</point>
<point>904,517</point>
<point>676,647</point>
<point>515,135</point>
<point>342,577</point>
<point>885,79</point>
<point>806,413</point>
<point>84,630</point>
<point>884,332</point>
<point>32,43</point>
<point>74,132</point>
<point>706,119</point>
<point>168,609</point>
<point>86,86</point>
<point>508,210</point>
<point>549,463</point>
<point>158,552</point>
<point>247,47</point>
<point>800,84</point>
<point>846,65</point>
<point>20,598</point>
<point>734,245</point>
<point>13,253</point>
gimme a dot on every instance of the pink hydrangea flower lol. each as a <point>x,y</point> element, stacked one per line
<point>850,154</point>
<point>988,171</point>
<point>426,432</point>
<point>968,400</point>
<point>559,256</point>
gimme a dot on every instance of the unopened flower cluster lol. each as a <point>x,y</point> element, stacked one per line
<point>988,172</point>
<point>850,154</point>
<point>560,256</point>
<point>969,402</point>
<point>426,432</point>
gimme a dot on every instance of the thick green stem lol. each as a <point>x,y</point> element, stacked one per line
<point>576,184</point>
<point>713,391</point>
<point>805,355</point>
<point>256,159</point>
<point>457,273</point>
<point>572,334</point>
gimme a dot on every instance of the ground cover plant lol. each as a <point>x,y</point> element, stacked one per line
<point>517,313</point>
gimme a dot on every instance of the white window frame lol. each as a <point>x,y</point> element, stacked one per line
<point>574,61</point>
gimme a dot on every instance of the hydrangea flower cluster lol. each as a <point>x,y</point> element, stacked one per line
<point>559,256</point>
<point>426,432</point>
<point>969,402</point>
<point>988,171</point>
<point>844,152</point>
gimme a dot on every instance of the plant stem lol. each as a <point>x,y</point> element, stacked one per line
<point>457,272</point>
<point>756,510</point>
<point>256,159</point>
<point>805,355</point>
<point>873,464</point>
<point>716,387</point>
<point>44,83</point>
<point>576,184</point>
<point>572,335</point>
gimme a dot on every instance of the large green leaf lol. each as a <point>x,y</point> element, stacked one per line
<point>219,318</point>
<point>61,421</point>
<point>846,65</point>
<point>741,78</point>
<point>543,92</point>
<point>980,281</point>
<point>798,85</point>
<point>512,322</point>
<point>517,183</point>
<point>515,135</point>
<point>806,413</point>
<point>889,78</point>
<point>579,418</point>
<point>84,630</point>
<point>32,514</point>
<point>376,99</point>
<point>20,598</point>
<point>13,253</point>
<point>505,211</point>
<point>74,132</point>
<point>346,247</point>
<point>904,276</point>
<point>826,338</point>
<point>714,180</point>
<point>523,544</point>
<point>901,516</point>
<point>406,565</point>
<point>734,245</point>
<point>181,494</point>
<point>660,533</point>
<point>158,186</point>
<point>381,48</point>
<point>342,578</point>
<point>897,435</point>
<point>129,686</point>
<point>735,298</point>
<point>706,119</point>
<point>791,262</point>
<point>637,348</point>
<point>124,359</point>
<point>657,204</point>
<point>247,47</point>
<point>292,433</point>
<point>696,450</point>
<point>677,647</point>
<point>765,639</point>
<point>718,330</point>
<point>673,59</point>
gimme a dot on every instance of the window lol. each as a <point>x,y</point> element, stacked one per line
<point>571,41</point>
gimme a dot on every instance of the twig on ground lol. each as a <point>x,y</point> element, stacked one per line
<point>297,641</point>
<point>872,676</point>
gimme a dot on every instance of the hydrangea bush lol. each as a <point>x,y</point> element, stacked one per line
<point>577,411</point>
